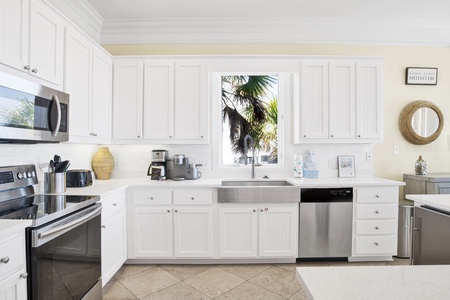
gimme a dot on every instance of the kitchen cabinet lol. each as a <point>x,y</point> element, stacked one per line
<point>252,231</point>
<point>33,41</point>
<point>114,239</point>
<point>166,223</point>
<point>434,183</point>
<point>375,221</point>
<point>168,100</point>
<point>88,80</point>
<point>339,101</point>
<point>127,99</point>
<point>13,274</point>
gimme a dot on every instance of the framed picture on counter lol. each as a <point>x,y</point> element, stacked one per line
<point>346,165</point>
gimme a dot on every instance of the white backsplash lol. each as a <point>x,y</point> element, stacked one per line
<point>133,160</point>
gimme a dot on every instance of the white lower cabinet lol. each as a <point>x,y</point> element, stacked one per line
<point>251,231</point>
<point>166,223</point>
<point>114,239</point>
<point>375,222</point>
<point>13,274</point>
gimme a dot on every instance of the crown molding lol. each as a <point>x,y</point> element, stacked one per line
<point>239,31</point>
<point>81,13</point>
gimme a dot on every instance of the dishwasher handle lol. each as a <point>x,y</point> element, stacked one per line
<point>326,195</point>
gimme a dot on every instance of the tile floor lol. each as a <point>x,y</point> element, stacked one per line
<point>256,281</point>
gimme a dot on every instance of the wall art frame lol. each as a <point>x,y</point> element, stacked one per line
<point>421,76</point>
<point>346,165</point>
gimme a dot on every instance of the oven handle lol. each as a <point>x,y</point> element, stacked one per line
<point>58,120</point>
<point>70,225</point>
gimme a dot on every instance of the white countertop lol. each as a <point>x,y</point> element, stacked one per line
<point>9,226</point>
<point>376,282</point>
<point>440,201</point>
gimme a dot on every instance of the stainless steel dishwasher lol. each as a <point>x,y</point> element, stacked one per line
<point>325,222</point>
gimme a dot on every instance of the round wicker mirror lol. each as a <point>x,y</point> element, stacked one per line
<point>421,122</point>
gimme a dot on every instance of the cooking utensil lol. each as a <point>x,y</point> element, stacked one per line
<point>61,167</point>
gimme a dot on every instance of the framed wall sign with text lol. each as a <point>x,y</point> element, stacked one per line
<point>425,76</point>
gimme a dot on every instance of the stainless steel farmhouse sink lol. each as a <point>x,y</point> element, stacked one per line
<point>257,191</point>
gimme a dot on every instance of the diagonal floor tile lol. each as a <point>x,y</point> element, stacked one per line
<point>180,291</point>
<point>214,282</point>
<point>184,272</point>
<point>116,291</point>
<point>245,271</point>
<point>250,291</point>
<point>130,270</point>
<point>148,282</point>
<point>278,280</point>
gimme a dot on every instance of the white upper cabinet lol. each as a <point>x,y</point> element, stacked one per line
<point>170,107</point>
<point>159,99</point>
<point>339,101</point>
<point>369,100</point>
<point>127,100</point>
<point>190,100</point>
<point>33,41</point>
<point>88,80</point>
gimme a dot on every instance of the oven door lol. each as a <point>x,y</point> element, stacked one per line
<point>65,257</point>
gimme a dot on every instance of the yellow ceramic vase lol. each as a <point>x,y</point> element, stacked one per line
<point>103,163</point>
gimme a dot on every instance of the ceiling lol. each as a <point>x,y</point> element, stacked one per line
<point>323,21</point>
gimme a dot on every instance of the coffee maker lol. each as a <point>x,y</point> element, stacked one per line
<point>158,167</point>
<point>182,169</point>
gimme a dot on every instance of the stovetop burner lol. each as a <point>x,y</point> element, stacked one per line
<point>18,201</point>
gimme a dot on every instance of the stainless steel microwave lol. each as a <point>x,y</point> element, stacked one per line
<point>32,113</point>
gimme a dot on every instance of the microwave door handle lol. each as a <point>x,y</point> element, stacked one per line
<point>58,120</point>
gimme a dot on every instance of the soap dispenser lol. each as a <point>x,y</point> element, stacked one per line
<point>421,166</point>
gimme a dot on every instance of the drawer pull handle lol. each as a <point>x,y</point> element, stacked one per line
<point>5,260</point>
<point>24,275</point>
<point>114,204</point>
<point>376,227</point>
<point>377,212</point>
<point>376,244</point>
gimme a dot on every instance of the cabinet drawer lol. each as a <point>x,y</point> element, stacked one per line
<point>12,254</point>
<point>376,227</point>
<point>192,196</point>
<point>157,197</point>
<point>112,205</point>
<point>376,245</point>
<point>376,211</point>
<point>377,195</point>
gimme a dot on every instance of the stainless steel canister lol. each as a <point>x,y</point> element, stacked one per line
<point>54,183</point>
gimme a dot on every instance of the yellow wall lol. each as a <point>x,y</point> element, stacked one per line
<point>396,93</point>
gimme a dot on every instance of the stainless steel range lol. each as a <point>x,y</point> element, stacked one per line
<point>64,241</point>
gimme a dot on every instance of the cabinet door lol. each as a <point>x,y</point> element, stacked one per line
<point>114,249</point>
<point>127,105</point>
<point>190,102</point>
<point>46,43</point>
<point>101,94</point>
<point>278,231</point>
<point>193,232</point>
<point>78,82</point>
<point>14,36</point>
<point>342,116</point>
<point>14,287</point>
<point>368,100</point>
<point>151,233</point>
<point>238,228</point>
<point>158,99</point>
<point>314,99</point>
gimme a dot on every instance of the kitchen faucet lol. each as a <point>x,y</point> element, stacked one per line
<point>246,138</point>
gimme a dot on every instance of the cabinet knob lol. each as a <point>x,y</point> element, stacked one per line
<point>151,198</point>
<point>168,210</point>
<point>376,228</point>
<point>376,244</point>
<point>192,198</point>
<point>138,136</point>
<point>262,210</point>
<point>176,210</point>
<point>24,275</point>
<point>332,135</point>
<point>170,136</point>
<point>26,67</point>
<point>377,212</point>
<point>254,210</point>
<point>377,196</point>
<point>359,135</point>
<point>114,204</point>
<point>304,135</point>
<point>103,226</point>
<point>201,136</point>
<point>4,260</point>
<point>34,70</point>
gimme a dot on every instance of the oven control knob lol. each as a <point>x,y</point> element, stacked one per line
<point>21,175</point>
<point>30,174</point>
